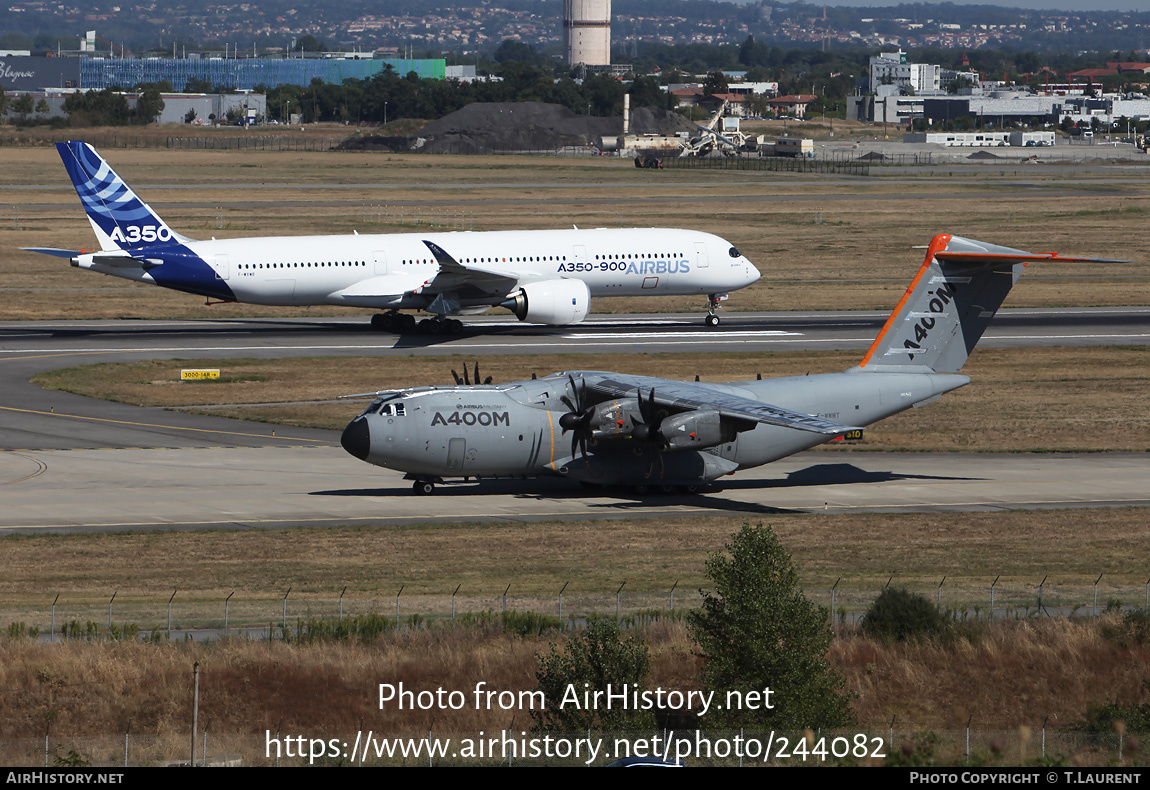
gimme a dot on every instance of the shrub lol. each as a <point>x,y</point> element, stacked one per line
<point>756,630</point>
<point>1132,629</point>
<point>901,615</point>
<point>593,659</point>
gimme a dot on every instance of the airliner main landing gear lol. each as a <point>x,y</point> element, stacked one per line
<point>393,321</point>
<point>713,301</point>
<point>440,326</point>
<point>401,323</point>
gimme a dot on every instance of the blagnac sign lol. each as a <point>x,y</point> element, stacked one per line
<point>36,74</point>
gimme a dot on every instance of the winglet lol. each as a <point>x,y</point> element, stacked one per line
<point>445,261</point>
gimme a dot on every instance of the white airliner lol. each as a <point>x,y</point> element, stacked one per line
<point>542,276</point>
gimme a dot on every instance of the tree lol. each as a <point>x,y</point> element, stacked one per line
<point>756,630</point>
<point>716,82</point>
<point>23,105</point>
<point>310,43</point>
<point>149,105</point>
<point>197,85</point>
<point>595,658</point>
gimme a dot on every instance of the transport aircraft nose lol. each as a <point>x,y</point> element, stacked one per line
<point>356,438</point>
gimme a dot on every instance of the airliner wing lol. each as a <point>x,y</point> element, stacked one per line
<point>687,396</point>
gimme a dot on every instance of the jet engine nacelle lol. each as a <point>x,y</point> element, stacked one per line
<point>555,302</point>
<point>695,430</point>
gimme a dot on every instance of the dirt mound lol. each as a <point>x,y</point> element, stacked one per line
<point>486,127</point>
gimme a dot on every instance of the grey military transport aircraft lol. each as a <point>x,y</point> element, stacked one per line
<point>656,434</point>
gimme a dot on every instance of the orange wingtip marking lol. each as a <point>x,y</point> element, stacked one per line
<point>937,244</point>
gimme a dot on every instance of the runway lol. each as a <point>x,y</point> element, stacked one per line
<point>76,463</point>
<point>321,486</point>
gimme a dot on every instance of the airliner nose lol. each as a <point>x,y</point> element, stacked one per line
<point>356,438</point>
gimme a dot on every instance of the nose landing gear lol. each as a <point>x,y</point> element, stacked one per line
<point>713,302</point>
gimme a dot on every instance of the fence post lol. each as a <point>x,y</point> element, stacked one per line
<point>617,596</point>
<point>673,586</point>
<point>58,598</point>
<point>341,602</point>
<point>1096,609</point>
<point>195,707</point>
<point>938,599</point>
<point>233,592</point>
<point>505,596</point>
<point>110,608</point>
<point>170,613</point>
<point>968,720</point>
<point>285,607</point>
<point>992,585</point>
<point>564,587</point>
<point>397,605</point>
<point>453,599</point>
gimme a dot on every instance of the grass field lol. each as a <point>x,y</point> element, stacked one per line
<point>822,242</point>
<point>1019,400</point>
<point>1005,675</point>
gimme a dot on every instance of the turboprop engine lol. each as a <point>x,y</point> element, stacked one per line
<point>694,430</point>
<point>555,302</point>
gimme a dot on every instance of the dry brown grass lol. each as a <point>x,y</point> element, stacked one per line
<point>858,256</point>
<point>1004,675</point>
<point>1019,400</point>
<point>863,551</point>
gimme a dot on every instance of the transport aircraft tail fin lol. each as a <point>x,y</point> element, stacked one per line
<point>949,304</point>
<point>120,219</point>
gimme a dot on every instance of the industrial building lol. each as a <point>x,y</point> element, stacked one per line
<point>197,108</point>
<point>31,74</point>
<point>246,73</point>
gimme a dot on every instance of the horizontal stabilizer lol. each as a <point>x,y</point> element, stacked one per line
<point>949,304</point>
<point>53,251</point>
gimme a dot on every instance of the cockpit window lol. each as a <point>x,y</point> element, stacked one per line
<point>387,405</point>
<point>733,252</point>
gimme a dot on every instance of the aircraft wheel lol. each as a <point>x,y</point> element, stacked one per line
<point>711,320</point>
<point>434,327</point>
<point>423,487</point>
<point>691,488</point>
<point>640,489</point>
<point>406,322</point>
<point>383,322</point>
<point>453,326</point>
